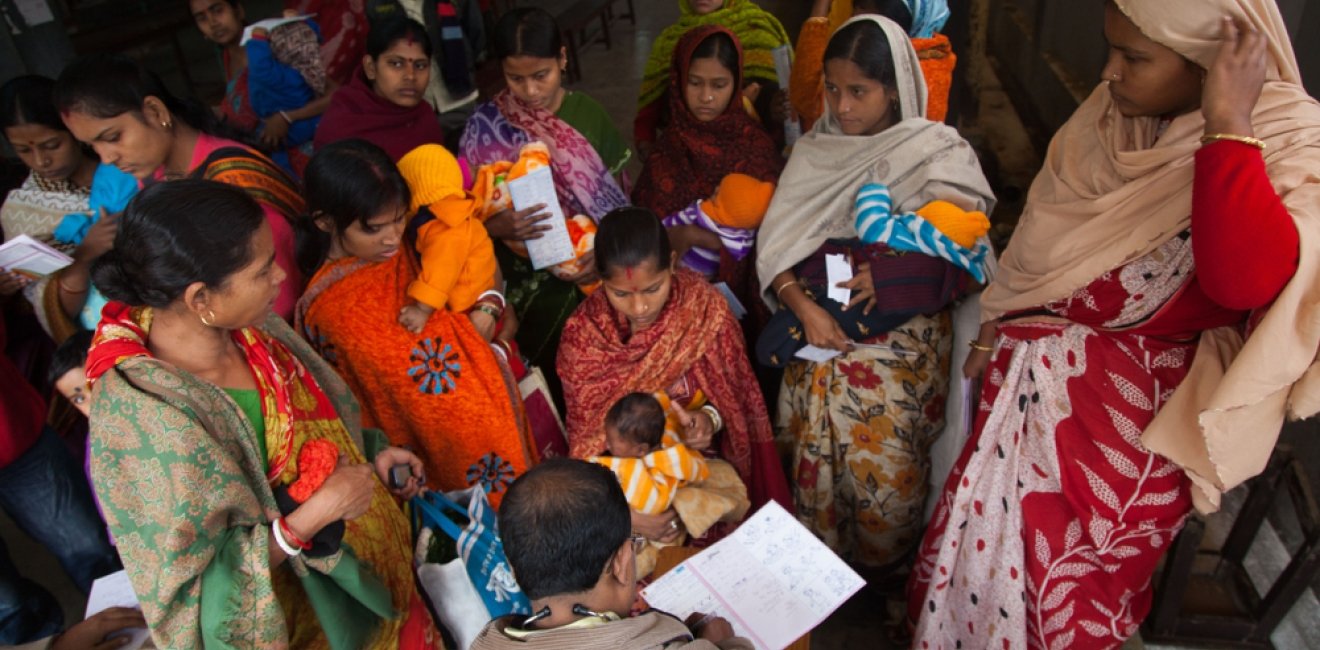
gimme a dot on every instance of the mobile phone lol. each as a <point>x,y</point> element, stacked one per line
<point>399,475</point>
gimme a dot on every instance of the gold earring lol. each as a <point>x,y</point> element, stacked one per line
<point>208,322</point>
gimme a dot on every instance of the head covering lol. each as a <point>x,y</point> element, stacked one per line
<point>757,29</point>
<point>692,156</point>
<point>356,111</point>
<point>740,202</point>
<point>928,17</point>
<point>1110,193</point>
<point>919,160</point>
<point>432,174</point>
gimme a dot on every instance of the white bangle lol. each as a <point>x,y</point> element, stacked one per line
<point>716,422</point>
<point>503,303</point>
<point>284,545</point>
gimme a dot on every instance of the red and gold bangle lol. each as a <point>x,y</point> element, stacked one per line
<point>291,537</point>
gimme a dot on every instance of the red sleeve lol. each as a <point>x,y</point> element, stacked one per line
<point>647,122</point>
<point>1245,242</point>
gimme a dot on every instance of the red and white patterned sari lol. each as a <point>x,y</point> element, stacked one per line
<point>1051,524</point>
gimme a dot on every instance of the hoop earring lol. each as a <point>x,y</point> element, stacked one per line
<point>208,322</point>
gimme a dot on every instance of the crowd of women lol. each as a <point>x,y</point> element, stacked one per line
<point>258,369</point>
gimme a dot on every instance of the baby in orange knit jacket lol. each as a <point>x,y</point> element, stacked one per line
<point>458,271</point>
<point>647,455</point>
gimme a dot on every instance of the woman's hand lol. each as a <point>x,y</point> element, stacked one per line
<point>391,456</point>
<point>698,430</point>
<point>276,129</point>
<point>91,634</point>
<point>520,225</point>
<point>510,329</point>
<point>588,273</point>
<point>100,238</point>
<point>1234,80</point>
<point>345,495</point>
<point>664,527</point>
<point>822,330</point>
<point>863,288</point>
<point>11,283</point>
<point>484,323</point>
<point>977,362</point>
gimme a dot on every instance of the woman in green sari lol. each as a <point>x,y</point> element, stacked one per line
<point>248,504</point>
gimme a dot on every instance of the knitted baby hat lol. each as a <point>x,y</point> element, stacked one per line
<point>961,226</point>
<point>432,174</point>
<point>740,201</point>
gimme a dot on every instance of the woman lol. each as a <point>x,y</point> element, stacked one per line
<point>586,154</point>
<point>759,33</point>
<point>711,135</point>
<point>59,183</point>
<point>1134,371</point>
<point>651,328</point>
<point>860,424</point>
<point>206,413</point>
<point>922,19</point>
<point>126,114</point>
<point>343,33</point>
<point>277,103</point>
<point>443,392</point>
<point>385,102</point>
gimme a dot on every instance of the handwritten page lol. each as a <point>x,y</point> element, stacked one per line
<point>269,25</point>
<point>555,245</point>
<point>32,258</point>
<point>772,579</point>
<point>114,590</point>
<point>837,269</point>
<point>735,305</point>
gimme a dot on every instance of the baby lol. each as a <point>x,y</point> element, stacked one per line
<point>458,260</point>
<point>652,463</point>
<point>733,213</point>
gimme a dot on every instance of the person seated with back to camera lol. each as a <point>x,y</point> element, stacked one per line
<point>566,529</point>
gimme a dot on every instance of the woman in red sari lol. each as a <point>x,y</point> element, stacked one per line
<point>652,328</point>
<point>1134,371</point>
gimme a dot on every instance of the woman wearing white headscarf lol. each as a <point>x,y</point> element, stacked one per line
<point>1155,318</point>
<point>860,424</point>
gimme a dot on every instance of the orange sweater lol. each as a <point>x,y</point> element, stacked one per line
<point>806,87</point>
<point>458,259</point>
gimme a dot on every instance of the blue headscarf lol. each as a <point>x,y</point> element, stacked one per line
<point>928,17</point>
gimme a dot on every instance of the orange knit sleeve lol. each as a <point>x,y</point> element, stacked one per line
<point>806,85</point>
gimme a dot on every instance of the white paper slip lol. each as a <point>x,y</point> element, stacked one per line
<point>735,305</point>
<point>269,24</point>
<point>34,12</point>
<point>818,355</point>
<point>32,258</point>
<point>887,348</point>
<point>772,579</point>
<point>837,269</point>
<point>114,590</point>
<point>555,245</point>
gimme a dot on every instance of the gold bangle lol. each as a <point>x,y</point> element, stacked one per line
<point>783,286</point>
<point>1247,140</point>
<point>977,346</point>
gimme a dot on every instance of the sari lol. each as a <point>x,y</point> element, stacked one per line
<point>187,490</point>
<point>861,425</point>
<point>356,111</point>
<point>496,132</point>
<point>758,31</point>
<point>694,345</point>
<point>343,33</point>
<point>1119,394</point>
<point>444,393</point>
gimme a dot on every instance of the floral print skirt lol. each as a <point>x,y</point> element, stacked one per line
<point>860,428</point>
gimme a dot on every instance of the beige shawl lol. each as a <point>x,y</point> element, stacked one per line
<point>1107,196</point>
<point>919,160</point>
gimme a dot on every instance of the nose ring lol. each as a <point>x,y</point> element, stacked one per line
<point>1114,77</point>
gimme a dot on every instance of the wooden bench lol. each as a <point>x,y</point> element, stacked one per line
<point>574,22</point>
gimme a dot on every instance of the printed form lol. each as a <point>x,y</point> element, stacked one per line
<point>554,245</point>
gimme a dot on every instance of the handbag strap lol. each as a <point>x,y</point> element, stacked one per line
<point>432,513</point>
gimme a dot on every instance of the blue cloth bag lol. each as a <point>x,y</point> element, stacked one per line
<point>479,546</point>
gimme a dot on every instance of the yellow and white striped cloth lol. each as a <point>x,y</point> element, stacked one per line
<point>651,481</point>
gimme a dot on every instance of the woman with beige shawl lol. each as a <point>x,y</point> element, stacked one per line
<point>860,424</point>
<point>1155,318</point>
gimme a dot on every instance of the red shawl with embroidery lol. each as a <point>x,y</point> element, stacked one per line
<point>696,339</point>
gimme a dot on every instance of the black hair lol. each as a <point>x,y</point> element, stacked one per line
<point>28,99</point>
<point>109,85</point>
<point>719,46</point>
<point>527,31</point>
<point>349,181</point>
<point>895,10</point>
<point>865,44</point>
<point>394,29</point>
<point>629,236</point>
<point>70,354</point>
<point>639,418</point>
<point>174,234</point>
<point>561,522</point>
